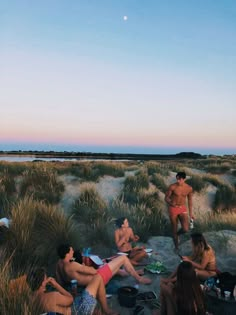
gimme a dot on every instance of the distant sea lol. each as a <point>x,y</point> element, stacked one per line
<point>113,149</point>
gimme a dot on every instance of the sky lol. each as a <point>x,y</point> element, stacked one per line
<point>133,76</point>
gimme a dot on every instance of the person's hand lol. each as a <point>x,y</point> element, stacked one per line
<point>185,258</point>
<point>51,281</point>
<point>192,217</point>
<point>136,238</point>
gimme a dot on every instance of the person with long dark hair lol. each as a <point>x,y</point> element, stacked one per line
<point>185,296</point>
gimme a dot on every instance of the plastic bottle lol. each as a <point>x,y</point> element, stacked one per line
<point>234,292</point>
<point>217,288</point>
<point>191,223</point>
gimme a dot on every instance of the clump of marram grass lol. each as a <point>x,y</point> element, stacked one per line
<point>212,221</point>
<point>157,167</point>
<point>35,232</point>
<point>7,189</point>
<point>115,169</point>
<point>218,167</point>
<point>196,182</point>
<point>13,169</point>
<point>159,182</point>
<point>144,220</point>
<point>89,206</point>
<point>212,179</point>
<point>15,296</point>
<point>225,198</point>
<point>92,171</point>
<point>132,185</point>
<point>43,184</point>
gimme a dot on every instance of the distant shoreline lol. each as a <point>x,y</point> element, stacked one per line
<point>99,156</point>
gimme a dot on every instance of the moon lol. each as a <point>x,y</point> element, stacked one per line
<point>125,17</point>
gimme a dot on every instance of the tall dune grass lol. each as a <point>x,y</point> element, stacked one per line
<point>43,184</point>
<point>35,232</point>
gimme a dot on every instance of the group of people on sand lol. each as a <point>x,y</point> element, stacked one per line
<point>94,281</point>
<point>180,293</point>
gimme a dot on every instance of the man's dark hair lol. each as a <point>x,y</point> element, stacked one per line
<point>180,175</point>
<point>35,278</point>
<point>78,256</point>
<point>62,250</point>
<point>120,221</point>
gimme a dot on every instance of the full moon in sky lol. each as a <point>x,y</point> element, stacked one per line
<point>125,17</point>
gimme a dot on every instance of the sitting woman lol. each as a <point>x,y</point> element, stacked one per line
<point>203,258</point>
<point>185,296</point>
<point>124,236</point>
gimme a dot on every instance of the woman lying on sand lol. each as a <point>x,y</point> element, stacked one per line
<point>124,236</point>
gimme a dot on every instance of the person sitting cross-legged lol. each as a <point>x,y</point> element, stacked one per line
<point>61,301</point>
<point>124,236</point>
<point>67,269</point>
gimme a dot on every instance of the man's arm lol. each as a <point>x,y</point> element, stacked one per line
<point>119,240</point>
<point>133,237</point>
<point>76,267</point>
<point>190,203</point>
<point>64,298</point>
<point>168,195</point>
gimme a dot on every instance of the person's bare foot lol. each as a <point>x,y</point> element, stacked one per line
<point>140,272</point>
<point>144,280</point>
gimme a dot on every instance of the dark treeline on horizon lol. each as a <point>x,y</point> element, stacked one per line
<point>110,156</point>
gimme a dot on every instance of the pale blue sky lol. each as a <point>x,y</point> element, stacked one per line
<point>76,73</point>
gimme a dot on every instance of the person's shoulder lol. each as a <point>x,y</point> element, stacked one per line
<point>172,186</point>
<point>190,188</point>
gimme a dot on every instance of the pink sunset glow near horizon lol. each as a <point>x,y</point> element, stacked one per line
<point>78,74</point>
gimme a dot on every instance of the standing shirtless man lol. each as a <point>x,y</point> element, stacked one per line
<point>175,197</point>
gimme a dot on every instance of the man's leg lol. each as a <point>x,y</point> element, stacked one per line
<point>174,224</point>
<point>118,262</point>
<point>136,255</point>
<point>96,288</point>
<point>183,218</point>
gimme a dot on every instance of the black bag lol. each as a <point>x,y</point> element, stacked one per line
<point>227,282</point>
